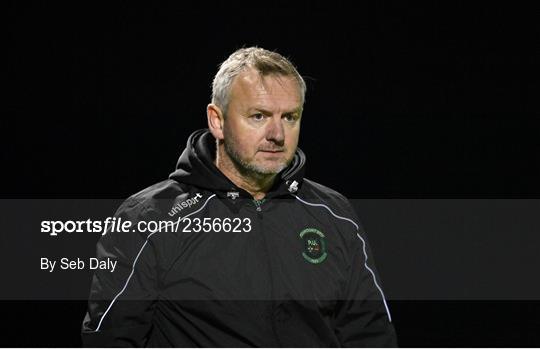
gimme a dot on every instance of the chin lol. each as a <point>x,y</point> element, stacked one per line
<point>274,169</point>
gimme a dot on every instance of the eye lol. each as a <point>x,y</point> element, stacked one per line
<point>290,117</point>
<point>257,117</point>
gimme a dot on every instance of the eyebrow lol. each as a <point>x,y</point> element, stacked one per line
<point>267,112</point>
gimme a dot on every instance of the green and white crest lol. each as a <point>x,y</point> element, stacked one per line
<point>314,245</point>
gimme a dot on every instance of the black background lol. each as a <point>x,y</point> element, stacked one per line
<point>403,101</point>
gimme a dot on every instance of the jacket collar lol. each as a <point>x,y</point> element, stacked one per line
<point>196,167</point>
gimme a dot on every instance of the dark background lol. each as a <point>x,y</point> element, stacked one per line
<point>404,101</point>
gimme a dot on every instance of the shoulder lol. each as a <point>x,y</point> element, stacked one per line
<point>312,190</point>
<point>153,198</point>
<point>151,205</point>
<point>315,194</point>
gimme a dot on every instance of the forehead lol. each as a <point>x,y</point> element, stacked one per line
<point>250,87</point>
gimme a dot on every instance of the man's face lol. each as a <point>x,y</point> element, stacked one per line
<point>262,123</point>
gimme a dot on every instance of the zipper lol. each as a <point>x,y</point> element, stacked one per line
<point>258,207</point>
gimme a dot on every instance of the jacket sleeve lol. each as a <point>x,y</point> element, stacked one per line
<point>363,317</point>
<point>121,302</point>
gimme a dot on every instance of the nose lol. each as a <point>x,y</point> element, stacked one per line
<point>275,132</point>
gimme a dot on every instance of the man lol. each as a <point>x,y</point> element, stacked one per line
<point>260,256</point>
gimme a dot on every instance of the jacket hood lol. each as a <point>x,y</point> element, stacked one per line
<point>196,167</point>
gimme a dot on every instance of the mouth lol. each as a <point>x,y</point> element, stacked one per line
<point>272,151</point>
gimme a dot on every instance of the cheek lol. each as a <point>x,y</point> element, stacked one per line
<point>246,145</point>
<point>292,138</point>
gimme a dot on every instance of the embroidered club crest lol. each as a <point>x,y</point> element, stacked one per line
<point>314,245</point>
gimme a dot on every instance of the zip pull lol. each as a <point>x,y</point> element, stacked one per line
<point>258,204</point>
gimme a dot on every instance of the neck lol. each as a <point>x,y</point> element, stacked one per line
<point>254,183</point>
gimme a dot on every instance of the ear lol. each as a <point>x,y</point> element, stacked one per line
<point>215,121</point>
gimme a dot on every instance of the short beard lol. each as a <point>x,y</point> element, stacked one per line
<point>250,169</point>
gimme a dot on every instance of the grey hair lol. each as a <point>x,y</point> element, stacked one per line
<point>264,61</point>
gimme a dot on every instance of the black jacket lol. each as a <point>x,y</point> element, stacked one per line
<point>291,270</point>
